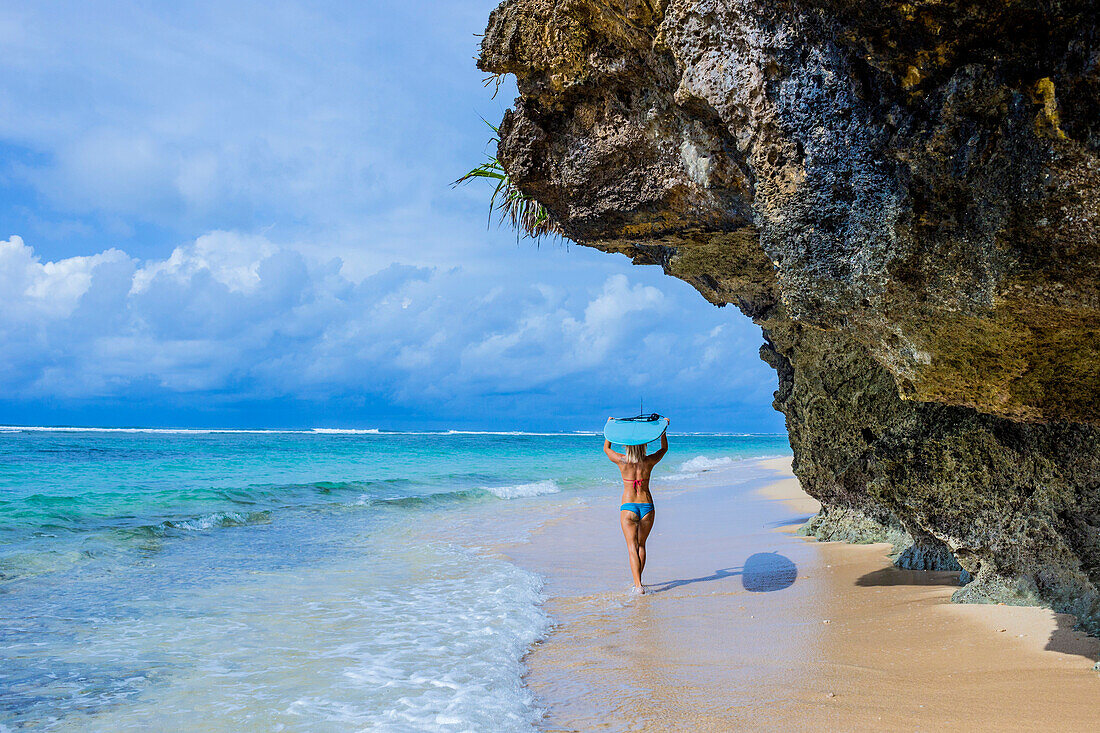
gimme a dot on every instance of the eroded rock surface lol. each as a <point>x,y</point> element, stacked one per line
<point>904,197</point>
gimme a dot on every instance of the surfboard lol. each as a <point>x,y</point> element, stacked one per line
<point>635,430</point>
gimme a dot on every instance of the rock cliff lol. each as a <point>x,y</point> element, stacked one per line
<point>904,196</point>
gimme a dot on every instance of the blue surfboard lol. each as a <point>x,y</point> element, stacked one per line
<point>635,430</point>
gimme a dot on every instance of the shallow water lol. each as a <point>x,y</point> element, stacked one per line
<point>275,580</point>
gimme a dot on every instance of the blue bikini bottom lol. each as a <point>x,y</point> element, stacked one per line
<point>640,509</point>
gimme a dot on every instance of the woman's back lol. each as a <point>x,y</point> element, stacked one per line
<point>636,480</point>
<point>636,468</point>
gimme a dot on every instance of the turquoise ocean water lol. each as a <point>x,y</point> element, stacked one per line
<point>275,580</point>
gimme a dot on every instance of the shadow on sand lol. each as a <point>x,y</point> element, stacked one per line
<point>1063,639</point>
<point>789,521</point>
<point>763,572</point>
<point>897,576</point>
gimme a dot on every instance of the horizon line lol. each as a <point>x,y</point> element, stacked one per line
<point>341,431</point>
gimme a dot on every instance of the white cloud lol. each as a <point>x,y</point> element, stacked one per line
<point>617,313</point>
<point>231,259</point>
<point>49,290</point>
<point>239,312</point>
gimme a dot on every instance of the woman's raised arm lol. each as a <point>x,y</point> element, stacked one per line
<point>660,453</point>
<point>615,457</point>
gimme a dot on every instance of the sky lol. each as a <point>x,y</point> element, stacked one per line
<point>238,214</point>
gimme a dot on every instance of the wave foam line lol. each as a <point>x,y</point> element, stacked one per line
<point>520,491</point>
<point>702,463</point>
<point>163,431</point>
<point>189,431</point>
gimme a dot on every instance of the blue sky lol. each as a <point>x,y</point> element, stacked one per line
<point>239,214</point>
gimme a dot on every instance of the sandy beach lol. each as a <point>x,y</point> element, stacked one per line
<point>749,626</point>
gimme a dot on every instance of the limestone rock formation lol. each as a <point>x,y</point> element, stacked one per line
<point>904,196</point>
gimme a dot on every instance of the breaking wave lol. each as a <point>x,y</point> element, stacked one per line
<point>702,463</point>
<point>518,491</point>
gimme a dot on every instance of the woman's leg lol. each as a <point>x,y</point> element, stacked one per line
<point>645,526</point>
<point>629,523</point>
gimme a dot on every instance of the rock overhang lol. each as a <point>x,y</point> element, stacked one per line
<point>904,198</point>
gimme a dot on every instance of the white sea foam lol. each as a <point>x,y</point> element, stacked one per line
<point>189,431</point>
<point>159,431</point>
<point>696,466</point>
<point>703,463</point>
<point>517,491</point>
<point>346,431</point>
<point>446,652</point>
<point>700,465</point>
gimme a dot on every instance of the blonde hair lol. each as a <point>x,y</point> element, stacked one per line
<point>634,454</point>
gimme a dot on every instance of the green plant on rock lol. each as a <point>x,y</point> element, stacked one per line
<point>526,215</point>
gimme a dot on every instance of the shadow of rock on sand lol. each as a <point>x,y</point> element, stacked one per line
<point>800,520</point>
<point>1065,640</point>
<point>763,572</point>
<point>897,576</point>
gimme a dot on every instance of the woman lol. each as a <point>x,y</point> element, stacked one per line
<point>636,513</point>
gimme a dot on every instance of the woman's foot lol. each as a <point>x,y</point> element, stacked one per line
<point>637,591</point>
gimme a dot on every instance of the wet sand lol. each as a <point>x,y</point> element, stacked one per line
<point>748,626</point>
